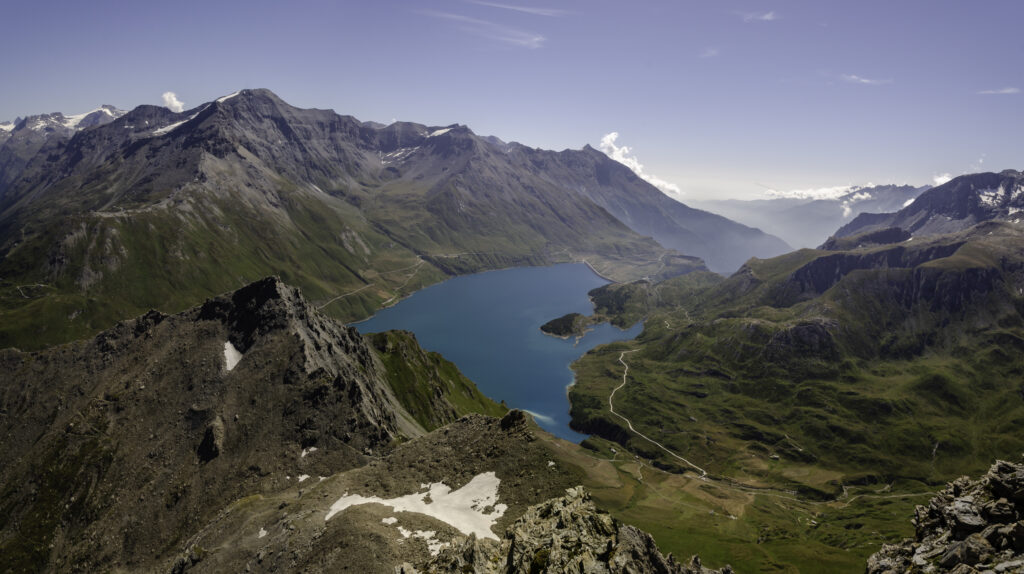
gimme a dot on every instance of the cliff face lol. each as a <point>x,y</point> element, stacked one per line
<point>822,273</point>
<point>971,526</point>
<point>118,447</point>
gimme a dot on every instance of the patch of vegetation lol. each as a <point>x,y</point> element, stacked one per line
<point>815,377</point>
<point>429,387</point>
<point>570,325</point>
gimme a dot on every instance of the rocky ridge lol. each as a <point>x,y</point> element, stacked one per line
<point>119,446</point>
<point>973,526</point>
<point>565,534</point>
<point>245,186</point>
<point>951,207</point>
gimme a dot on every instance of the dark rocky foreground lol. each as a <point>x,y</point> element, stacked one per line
<point>223,438</point>
<point>565,534</point>
<point>972,526</point>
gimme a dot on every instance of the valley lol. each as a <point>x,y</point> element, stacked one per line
<point>301,341</point>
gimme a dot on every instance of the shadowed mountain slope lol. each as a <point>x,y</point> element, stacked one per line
<point>118,448</point>
<point>158,210</point>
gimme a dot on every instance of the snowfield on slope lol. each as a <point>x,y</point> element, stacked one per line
<point>472,509</point>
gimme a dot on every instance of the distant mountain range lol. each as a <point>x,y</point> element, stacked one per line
<point>157,209</point>
<point>808,222</point>
<point>951,207</point>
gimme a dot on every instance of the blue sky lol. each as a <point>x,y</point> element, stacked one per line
<point>719,98</point>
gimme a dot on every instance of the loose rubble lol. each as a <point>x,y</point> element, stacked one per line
<point>970,527</point>
<point>566,534</point>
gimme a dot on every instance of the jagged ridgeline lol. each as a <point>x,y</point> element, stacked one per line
<point>971,526</point>
<point>156,209</point>
<point>252,433</point>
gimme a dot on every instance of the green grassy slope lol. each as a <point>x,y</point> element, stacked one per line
<point>816,375</point>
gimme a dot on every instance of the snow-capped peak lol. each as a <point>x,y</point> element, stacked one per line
<point>6,126</point>
<point>73,122</point>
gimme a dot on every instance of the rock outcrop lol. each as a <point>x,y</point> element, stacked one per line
<point>114,446</point>
<point>971,526</point>
<point>566,534</point>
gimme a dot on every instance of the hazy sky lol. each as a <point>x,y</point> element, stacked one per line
<point>719,98</point>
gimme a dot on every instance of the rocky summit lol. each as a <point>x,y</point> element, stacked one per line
<point>118,448</point>
<point>971,526</point>
<point>565,534</point>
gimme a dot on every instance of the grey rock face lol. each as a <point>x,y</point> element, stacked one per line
<point>566,534</point>
<point>115,445</point>
<point>971,526</point>
<point>951,207</point>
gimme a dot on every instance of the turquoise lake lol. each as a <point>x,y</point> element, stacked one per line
<point>489,325</point>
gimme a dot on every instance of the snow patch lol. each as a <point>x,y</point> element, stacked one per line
<point>71,122</point>
<point>306,451</point>
<point>231,356</point>
<point>223,99</point>
<point>433,544</point>
<point>908,202</point>
<point>990,197</point>
<point>389,520</point>
<point>1016,193</point>
<point>551,463</point>
<point>8,127</point>
<point>439,132</point>
<point>170,128</point>
<point>397,155</point>
<point>262,533</point>
<point>472,509</point>
<point>303,477</point>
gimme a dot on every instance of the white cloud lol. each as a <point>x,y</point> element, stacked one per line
<point>493,31</point>
<point>1001,91</point>
<point>173,103</point>
<point>708,53</point>
<point>623,155</point>
<point>817,193</point>
<point>847,203</point>
<point>855,79</point>
<point>524,9</point>
<point>542,418</point>
<point>758,16</point>
<point>941,178</point>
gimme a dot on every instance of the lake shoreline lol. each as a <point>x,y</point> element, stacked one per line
<point>487,324</point>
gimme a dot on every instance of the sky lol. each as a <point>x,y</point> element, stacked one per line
<point>709,99</point>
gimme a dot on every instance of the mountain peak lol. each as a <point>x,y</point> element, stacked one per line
<point>960,203</point>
